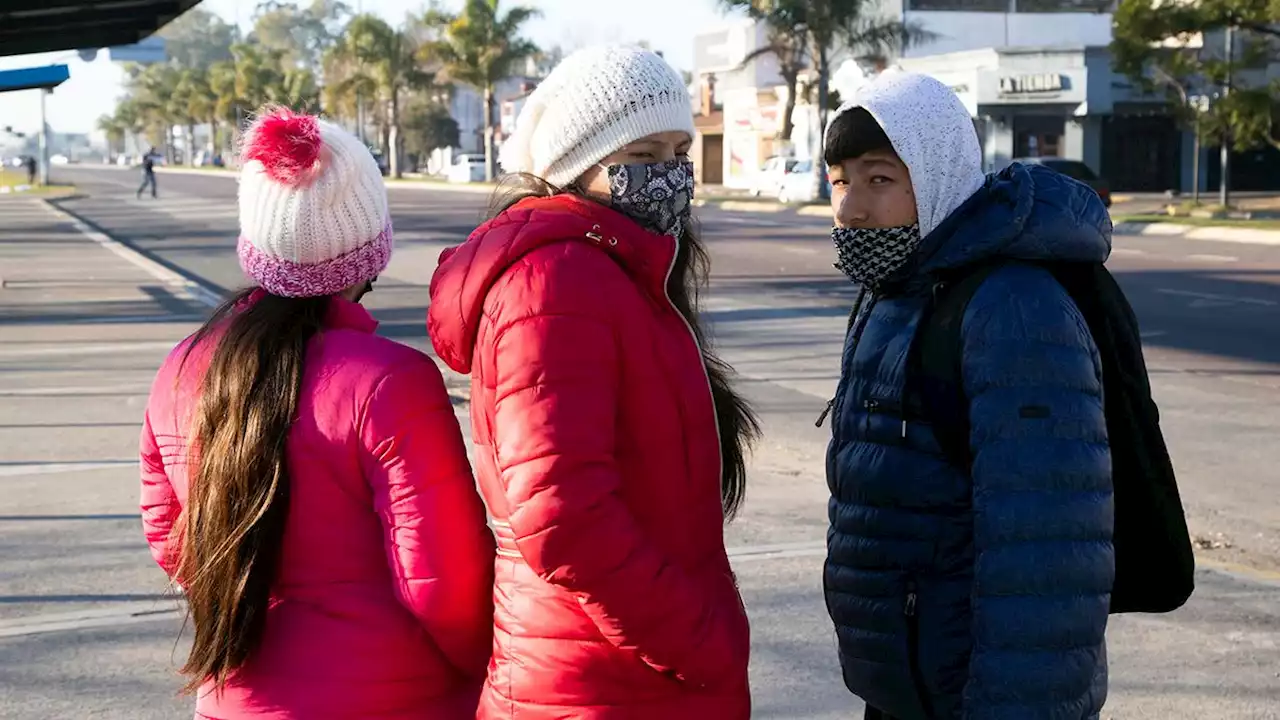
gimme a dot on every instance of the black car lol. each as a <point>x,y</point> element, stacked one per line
<point>1075,170</point>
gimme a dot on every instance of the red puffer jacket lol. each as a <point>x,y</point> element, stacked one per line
<point>598,455</point>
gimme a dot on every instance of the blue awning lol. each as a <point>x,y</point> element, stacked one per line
<point>37,78</point>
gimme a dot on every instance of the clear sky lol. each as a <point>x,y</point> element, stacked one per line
<point>668,25</point>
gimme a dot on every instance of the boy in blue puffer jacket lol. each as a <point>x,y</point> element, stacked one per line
<point>978,592</point>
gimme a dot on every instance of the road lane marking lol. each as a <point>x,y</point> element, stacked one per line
<point>753,553</point>
<point>1127,252</point>
<point>1214,258</point>
<point>55,468</point>
<point>75,390</point>
<point>1152,334</point>
<point>86,350</point>
<point>129,613</point>
<point>179,284</point>
<point>1216,298</point>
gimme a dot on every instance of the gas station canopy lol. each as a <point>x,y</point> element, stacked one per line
<point>33,26</point>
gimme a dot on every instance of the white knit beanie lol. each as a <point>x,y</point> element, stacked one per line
<point>595,102</point>
<point>313,207</point>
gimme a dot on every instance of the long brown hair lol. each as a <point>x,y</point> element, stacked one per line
<point>233,523</point>
<point>738,425</point>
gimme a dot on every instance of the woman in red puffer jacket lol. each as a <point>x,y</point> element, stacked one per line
<point>610,445</point>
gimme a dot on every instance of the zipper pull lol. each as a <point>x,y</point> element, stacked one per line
<point>825,412</point>
<point>910,608</point>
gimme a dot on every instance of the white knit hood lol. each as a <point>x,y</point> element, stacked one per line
<point>932,133</point>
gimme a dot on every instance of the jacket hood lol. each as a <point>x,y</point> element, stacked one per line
<point>1025,212</point>
<point>933,135</point>
<point>466,273</point>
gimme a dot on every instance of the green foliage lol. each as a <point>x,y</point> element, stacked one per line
<point>817,34</point>
<point>1180,49</point>
<point>479,47</point>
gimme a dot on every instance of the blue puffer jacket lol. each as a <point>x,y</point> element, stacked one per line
<point>980,595</point>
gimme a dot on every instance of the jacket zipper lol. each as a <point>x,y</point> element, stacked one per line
<point>913,649</point>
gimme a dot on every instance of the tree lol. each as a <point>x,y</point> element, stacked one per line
<point>1214,49</point>
<point>428,126</point>
<point>384,61</point>
<point>479,47</point>
<point>198,38</point>
<point>114,130</point>
<point>301,35</point>
<point>815,35</point>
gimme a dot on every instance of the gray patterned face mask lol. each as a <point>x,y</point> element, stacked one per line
<point>870,256</point>
<point>658,196</point>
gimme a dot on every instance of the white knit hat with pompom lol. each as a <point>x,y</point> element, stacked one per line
<point>595,102</point>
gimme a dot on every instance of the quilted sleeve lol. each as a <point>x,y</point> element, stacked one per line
<point>159,504</point>
<point>1042,506</point>
<point>437,542</point>
<point>557,389</point>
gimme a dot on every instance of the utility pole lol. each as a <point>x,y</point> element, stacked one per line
<point>44,141</point>
<point>1224,182</point>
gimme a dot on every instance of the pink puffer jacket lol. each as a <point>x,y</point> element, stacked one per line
<point>383,604</point>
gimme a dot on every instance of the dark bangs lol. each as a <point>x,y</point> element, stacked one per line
<point>853,134</point>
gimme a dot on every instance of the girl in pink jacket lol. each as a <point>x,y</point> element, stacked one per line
<point>304,480</point>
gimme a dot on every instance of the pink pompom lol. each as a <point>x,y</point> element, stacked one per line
<point>286,143</point>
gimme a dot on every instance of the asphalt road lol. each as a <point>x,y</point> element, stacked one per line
<point>87,627</point>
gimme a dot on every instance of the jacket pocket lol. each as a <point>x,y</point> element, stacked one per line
<point>911,610</point>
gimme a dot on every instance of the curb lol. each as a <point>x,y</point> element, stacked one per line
<point>182,284</point>
<point>1211,233</point>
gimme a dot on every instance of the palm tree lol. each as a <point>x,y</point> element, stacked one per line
<point>479,47</point>
<point>816,31</point>
<point>226,101</point>
<point>111,126</point>
<point>383,62</point>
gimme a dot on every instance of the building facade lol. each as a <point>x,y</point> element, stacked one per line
<point>1065,102</point>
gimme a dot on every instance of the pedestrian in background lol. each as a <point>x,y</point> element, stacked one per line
<point>610,442</point>
<point>32,167</point>
<point>974,587</point>
<point>305,481</point>
<point>148,173</point>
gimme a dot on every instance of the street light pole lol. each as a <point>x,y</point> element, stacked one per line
<point>1224,182</point>
<point>44,141</point>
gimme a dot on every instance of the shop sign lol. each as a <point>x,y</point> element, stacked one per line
<point>1031,84</point>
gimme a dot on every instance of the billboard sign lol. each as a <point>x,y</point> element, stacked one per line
<point>149,51</point>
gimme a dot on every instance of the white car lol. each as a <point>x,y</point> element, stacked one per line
<point>768,181</point>
<point>59,160</point>
<point>466,169</point>
<point>798,185</point>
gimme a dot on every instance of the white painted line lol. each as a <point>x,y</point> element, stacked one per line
<point>74,390</point>
<point>1152,334</point>
<point>1247,236</point>
<point>54,468</point>
<point>1214,258</point>
<point>754,553</point>
<point>93,349</point>
<point>127,613</point>
<point>1127,252</point>
<point>175,281</point>
<point>1232,299</point>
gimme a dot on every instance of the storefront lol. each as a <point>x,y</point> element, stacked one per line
<point>1064,102</point>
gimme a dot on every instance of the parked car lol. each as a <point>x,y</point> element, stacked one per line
<point>466,169</point>
<point>1075,170</point>
<point>798,185</point>
<point>204,158</point>
<point>59,159</point>
<point>768,181</point>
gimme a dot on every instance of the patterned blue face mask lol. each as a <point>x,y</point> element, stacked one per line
<point>658,196</point>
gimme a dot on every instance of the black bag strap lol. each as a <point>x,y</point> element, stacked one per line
<point>857,308</point>
<point>935,382</point>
